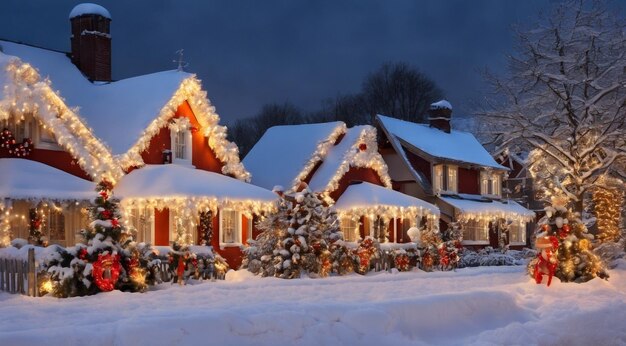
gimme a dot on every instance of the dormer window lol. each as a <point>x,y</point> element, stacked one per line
<point>180,132</point>
<point>490,183</point>
<point>445,178</point>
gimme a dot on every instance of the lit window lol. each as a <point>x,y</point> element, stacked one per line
<point>446,178</point>
<point>490,183</point>
<point>452,178</point>
<point>180,148</point>
<point>141,222</point>
<point>517,232</point>
<point>53,225</point>
<point>349,228</point>
<point>230,227</point>
<point>474,230</point>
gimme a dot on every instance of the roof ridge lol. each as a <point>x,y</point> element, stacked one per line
<point>33,45</point>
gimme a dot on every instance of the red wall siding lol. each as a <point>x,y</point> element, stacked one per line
<point>469,181</point>
<point>419,164</point>
<point>356,174</point>
<point>162,227</point>
<point>202,156</point>
<point>153,155</point>
<point>58,159</point>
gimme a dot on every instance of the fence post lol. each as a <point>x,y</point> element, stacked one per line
<point>12,276</point>
<point>2,270</point>
<point>32,282</point>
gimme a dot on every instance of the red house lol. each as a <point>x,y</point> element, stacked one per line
<point>344,167</point>
<point>156,136</point>
<point>453,170</point>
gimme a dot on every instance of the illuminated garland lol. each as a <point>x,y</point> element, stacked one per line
<point>27,93</point>
<point>608,212</point>
<point>8,142</point>
<point>189,208</point>
<point>389,212</point>
<point>190,90</point>
<point>363,154</point>
<point>320,153</point>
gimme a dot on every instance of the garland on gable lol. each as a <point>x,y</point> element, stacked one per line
<point>27,93</point>
<point>190,90</point>
<point>363,154</point>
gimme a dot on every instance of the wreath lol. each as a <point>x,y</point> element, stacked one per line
<point>7,141</point>
<point>106,271</point>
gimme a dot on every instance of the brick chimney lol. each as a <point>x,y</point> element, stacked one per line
<point>91,41</point>
<point>439,115</point>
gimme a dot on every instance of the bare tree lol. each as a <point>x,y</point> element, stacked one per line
<point>246,132</point>
<point>565,100</point>
<point>400,91</point>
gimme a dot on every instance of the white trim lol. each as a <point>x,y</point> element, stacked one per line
<point>238,230</point>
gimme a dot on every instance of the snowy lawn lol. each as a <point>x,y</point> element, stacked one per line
<point>484,305</point>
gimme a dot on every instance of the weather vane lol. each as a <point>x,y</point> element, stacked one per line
<point>181,63</point>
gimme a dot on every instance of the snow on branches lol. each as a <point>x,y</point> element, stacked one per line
<point>566,100</point>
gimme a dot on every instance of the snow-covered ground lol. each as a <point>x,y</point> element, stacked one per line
<point>484,305</point>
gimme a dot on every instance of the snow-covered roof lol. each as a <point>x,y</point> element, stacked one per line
<point>346,154</point>
<point>365,195</point>
<point>284,151</point>
<point>178,181</point>
<point>443,104</point>
<point>89,8</point>
<point>473,206</point>
<point>126,114</point>
<point>119,111</point>
<point>455,146</point>
<point>26,179</point>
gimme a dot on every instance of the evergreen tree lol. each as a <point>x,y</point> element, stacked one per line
<point>296,239</point>
<point>108,260</point>
<point>573,258</point>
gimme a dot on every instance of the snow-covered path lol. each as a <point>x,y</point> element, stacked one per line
<point>489,305</point>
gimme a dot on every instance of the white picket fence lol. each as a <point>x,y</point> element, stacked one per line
<point>19,276</point>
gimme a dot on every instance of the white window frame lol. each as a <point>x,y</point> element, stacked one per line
<point>238,232</point>
<point>470,230</point>
<point>445,178</point>
<point>520,229</point>
<point>172,228</point>
<point>490,181</point>
<point>134,219</point>
<point>188,150</point>
<point>350,226</point>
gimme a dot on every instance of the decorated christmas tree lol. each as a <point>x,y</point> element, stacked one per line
<point>108,260</point>
<point>296,239</point>
<point>566,248</point>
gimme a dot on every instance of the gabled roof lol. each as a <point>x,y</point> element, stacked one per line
<point>23,90</point>
<point>456,146</point>
<point>289,152</point>
<point>26,179</point>
<point>126,114</point>
<point>286,155</point>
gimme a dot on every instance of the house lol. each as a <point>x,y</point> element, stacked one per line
<point>453,170</point>
<point>156,137</point>
<point>344,167</point>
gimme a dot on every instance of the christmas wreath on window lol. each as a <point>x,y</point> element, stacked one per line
<point>8,142</point>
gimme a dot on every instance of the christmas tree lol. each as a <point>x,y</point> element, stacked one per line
<point>566,248</point>
<point>295,239</point>
<point>109,259</point>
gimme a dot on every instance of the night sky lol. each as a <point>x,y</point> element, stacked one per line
<point>249,53</point>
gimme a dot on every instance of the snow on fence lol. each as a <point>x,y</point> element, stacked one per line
<point>19,276</point>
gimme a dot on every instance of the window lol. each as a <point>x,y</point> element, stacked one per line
<point>445,178</point>
<point>182,229</point>
<point>476,231</point>
<point>517,233</point>
<point>180,146</point>
<point>349,228</point>
<point>53,226</point>
<point>378,229</point>
<point>230,227</point>
<point>141,222</point>
<point>490,183</point>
